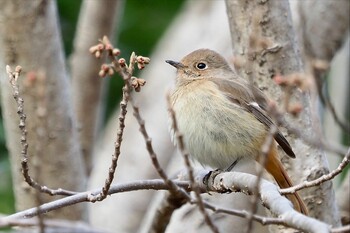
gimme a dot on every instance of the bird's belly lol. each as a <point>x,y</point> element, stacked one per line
<point>217,132</point>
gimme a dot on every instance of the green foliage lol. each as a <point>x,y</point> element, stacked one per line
<point>144,23</point>
<point>6,192</point>
<point>3,151</point>
<point>68,11</point>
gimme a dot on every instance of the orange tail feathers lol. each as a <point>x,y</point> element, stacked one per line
<point>276,169</point>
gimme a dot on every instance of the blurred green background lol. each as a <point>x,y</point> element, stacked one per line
<point>141,27</point>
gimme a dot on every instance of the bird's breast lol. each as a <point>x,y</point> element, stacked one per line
<point>215,130</point>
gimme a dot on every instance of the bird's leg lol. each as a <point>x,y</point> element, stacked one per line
<point>232,165</point>
<point>211,176</point>
<point>218,171</point>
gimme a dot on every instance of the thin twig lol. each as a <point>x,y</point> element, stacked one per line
<point>121,125</point>
<point>317,141</point>
<point>270,196</point>
<point>320,180</point>
<point>13,77</point>
<point>245,214</point>
<point>156,184</point>
<point>53,225</point>
<point>255,41</point>
<point>266,147</point>
<point>342,229</point>
<point>173,188</point>
<point>300,81</point>
<point>185,155</point>
<point>178,196</point>
<point>318,69</point>
<point>164,212</point>
<point>330,106</point>
<point>126,73</point>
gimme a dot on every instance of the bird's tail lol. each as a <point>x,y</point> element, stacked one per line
<point>276,169</point>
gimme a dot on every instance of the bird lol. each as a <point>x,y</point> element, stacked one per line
<point>224,119</point>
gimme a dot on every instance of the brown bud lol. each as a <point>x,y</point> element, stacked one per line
<point>110,71</point>
<point>139,59</point>
<point>122,62</point>
<point>109,47</point>
<point>116,52</point>
<point>143,60</point>
<point>140,66</point>
<point>102,73</point>
<point>137,83</point>
<point>100,46</point>
<point>18,69</point>
<point>146,60</point>
<point>105,67</point>
<point>134,81</point>
<point>141,81</point>
<point>93,49</point>
<point>98,54</point>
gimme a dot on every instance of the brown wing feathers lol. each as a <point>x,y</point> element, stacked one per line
<point>263,118</point>
<point>253,101</point>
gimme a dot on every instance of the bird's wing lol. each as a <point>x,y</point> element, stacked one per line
<point>254,101</point>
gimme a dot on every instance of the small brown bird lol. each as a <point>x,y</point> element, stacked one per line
<point>223,118</point>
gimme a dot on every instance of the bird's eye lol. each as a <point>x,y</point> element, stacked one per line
<point>201,66</point>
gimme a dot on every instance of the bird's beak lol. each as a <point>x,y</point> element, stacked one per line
<point>177,65</point>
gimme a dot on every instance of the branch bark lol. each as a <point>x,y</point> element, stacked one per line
<point>54,150</point>
<point>324,29</point>
<point>343,195</point>
<point>270,196</point>
<point>266,41</point>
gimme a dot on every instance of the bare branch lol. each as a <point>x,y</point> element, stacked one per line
<point>230,181</point>
<point>320,180</point>
<point>13,77</point>
<point>165,210</point>
<point>270,197</point>
<point>262,161</point>
<point>86,196</point>
<point>117,145</point>
<point>125,71</point>
<point>172,186</point>
<point>177,194</point>
<point>343,229</point>
<point>225,182</point>
<point>53,224</point>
